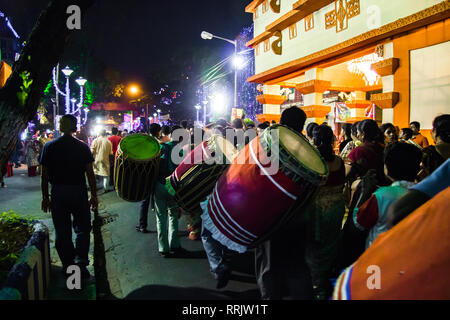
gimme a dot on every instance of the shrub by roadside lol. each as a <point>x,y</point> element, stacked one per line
<point>15,231</point>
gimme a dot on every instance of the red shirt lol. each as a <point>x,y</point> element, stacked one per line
<point>115,143</point>
<point>370,156</point>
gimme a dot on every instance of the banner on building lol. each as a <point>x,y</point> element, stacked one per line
<point>342,112</point>
<point>165,117</point>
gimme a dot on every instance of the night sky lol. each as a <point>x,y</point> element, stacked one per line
<point>138,36</point>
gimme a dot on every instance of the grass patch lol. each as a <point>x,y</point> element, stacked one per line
<point>15,231</point>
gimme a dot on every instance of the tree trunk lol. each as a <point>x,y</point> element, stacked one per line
<point>19,98</point>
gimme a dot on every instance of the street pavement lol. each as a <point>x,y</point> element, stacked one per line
<point>137,271</point>
<point>133,265</point>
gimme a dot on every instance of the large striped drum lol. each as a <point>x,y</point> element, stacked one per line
<point>193,180</point>
<point>136,167</point>
<point>258,192</point>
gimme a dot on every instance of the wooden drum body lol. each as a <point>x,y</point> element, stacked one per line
<point>136,167</point>
<point>196,176</point>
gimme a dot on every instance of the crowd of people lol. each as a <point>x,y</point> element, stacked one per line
<point>377,176</point>
<point>370,167</point>
<point>27,152</point>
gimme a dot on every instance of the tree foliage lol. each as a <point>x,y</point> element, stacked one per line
<point>20,97</point>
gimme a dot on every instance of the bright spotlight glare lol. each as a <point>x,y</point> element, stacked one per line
<point>96,130</point>
<point>238,62</point>
<point>218,103</point>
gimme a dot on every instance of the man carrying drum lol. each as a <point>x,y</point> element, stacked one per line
<point>164,204</point>
<point>280,262</point>
<point>155,132</point>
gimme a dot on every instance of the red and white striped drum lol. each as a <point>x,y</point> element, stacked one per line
<point>251,199</point>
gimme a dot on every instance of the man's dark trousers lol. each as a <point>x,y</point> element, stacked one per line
<point>143,213</point>
<point>66,202</point>
<point>111,170</point>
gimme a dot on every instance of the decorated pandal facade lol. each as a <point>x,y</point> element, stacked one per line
<point>387,60</point>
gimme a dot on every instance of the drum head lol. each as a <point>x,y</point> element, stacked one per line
<point>139,147</point>
<point>226,147</point>
<point>302,150</point>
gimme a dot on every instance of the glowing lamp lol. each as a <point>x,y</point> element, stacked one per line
<point>133,90</point>
<point>218,103</point>
<point>67,71</point>
<point>238,62</point>
<point>81,81</point>
<point>206,35</point>
<point>97,130</point>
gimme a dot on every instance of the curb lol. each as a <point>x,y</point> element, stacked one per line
<point>29,278</point>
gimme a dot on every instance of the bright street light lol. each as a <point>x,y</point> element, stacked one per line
<point>238,62</point>
<point>133,89</point>
<point>67,71</point>
<point>218,103</point>
<point>209,36</point>
<point>206,35</point>
<point>81,81</point>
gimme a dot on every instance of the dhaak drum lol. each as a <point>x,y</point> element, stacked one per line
<point>136,167</point>
<point>194,179</point>
<point>263,188</point>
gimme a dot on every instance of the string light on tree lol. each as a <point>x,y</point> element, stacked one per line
<point>67,72</point>
<point>81,83</point>
<point>73,100</point>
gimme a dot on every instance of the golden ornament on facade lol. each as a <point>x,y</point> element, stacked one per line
<point>344,10</point>
<point>309,22</point>
<point>275,5</point>
<point>277,46</point>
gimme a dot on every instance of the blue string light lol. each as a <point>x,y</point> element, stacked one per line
<point>247,92</point>
<point>8,23</point>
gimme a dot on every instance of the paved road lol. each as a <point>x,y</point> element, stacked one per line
<point>135,269</point>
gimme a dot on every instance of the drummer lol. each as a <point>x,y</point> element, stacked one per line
<point>280,261</point>
<point>165,205</point>
<point>155,132</point>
